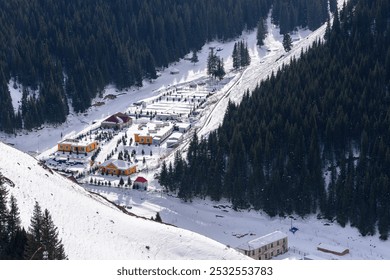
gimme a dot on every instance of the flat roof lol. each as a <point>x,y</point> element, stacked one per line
<point>155,129</point>
<point>332,248</point>
<point>175,136</point>
<point>263,240</point>
<point>183,125</point>
<point>77,142</point>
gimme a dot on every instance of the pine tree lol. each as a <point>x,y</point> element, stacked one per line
<point>220,71</point>
<point>13,218</point>
<point>211,63</point>
<point>3,220</point>
<point>163,179</point>
<point>236,57</point>
<point>34,248</point>
<point>261,32</point>
<point>158,217</point>
<point>49,238</point>
<point>194,58</point>
<point>287,43</point>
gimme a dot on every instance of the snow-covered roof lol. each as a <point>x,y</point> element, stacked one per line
<point>117,118</point>
<point>183,125</point>
<point>120,164</point>
<point>332,248</point>
<point>156,129</point>
<point>263,240</point>
<point>77,142</point>
<point>176,136</point>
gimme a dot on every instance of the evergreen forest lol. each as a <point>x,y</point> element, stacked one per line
<point>63,53</point>
<point>40,242</point>
<point>314,138</point>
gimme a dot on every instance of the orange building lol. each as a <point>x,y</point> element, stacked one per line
<point>143,139</point>
<point>117,167</point>
<point>74,145</point>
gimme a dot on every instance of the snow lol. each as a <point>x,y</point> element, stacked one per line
<point>263,240</point>
<point>120,164</point>
<point>16,92</point>
<point>218,221</point>
<point>332,248</point>
<point>92,228</point>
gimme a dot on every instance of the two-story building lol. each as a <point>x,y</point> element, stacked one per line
<point>77,146</point>
<point>265,247</point>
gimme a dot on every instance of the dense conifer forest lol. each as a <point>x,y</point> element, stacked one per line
<point>65,52</point>
<point>313,138</point>
<point>38,243</point>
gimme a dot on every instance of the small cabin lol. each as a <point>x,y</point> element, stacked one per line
<point>140,183</point>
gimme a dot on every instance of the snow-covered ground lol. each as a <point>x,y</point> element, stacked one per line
<point>218,221</point>
<point>215,220</point>
<point>92,228</point>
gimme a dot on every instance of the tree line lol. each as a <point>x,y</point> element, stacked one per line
<point>311,139</point>
<point>40,242</point>
<point>61,54</point>
<point>64,53</point>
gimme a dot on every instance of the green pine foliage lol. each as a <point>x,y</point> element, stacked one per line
<point>241,57</point>
<point>70,50</point>
<point>300,13</point>
<point>215,65</point>
<point>261,32</point>
<point>287,42</point>
<point>312,138</point>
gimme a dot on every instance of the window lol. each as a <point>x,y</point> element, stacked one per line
<point>272,245</point>
<point>278,252</point>
<point>277,243</point>
<point>272,254</point>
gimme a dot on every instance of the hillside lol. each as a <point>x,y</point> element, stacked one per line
<point>59,55</point>
<point>92,228</point>
<point>312,138</point>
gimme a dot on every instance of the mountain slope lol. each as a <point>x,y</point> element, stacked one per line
<point>92,228</point>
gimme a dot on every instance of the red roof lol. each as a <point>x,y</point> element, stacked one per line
<point>141,180</point>
<point>118,117</point>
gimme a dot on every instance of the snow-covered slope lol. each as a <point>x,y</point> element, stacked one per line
<point>92,228</point>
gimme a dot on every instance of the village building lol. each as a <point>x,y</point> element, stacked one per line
<point>117,167</point>
<point>140,183</point>
<point>174,71</point>
<point>182,127</point>
<point>174,140</point>
<point>153,133</point>
<point>265,247</point>
<point>333,249</point>
<point>166,116</point>
<point>77,146</point>
<point>118,120</point>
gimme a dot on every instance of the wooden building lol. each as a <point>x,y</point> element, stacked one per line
<point>117,167</point>
<point>332,249</point>
<point>77,146</point>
